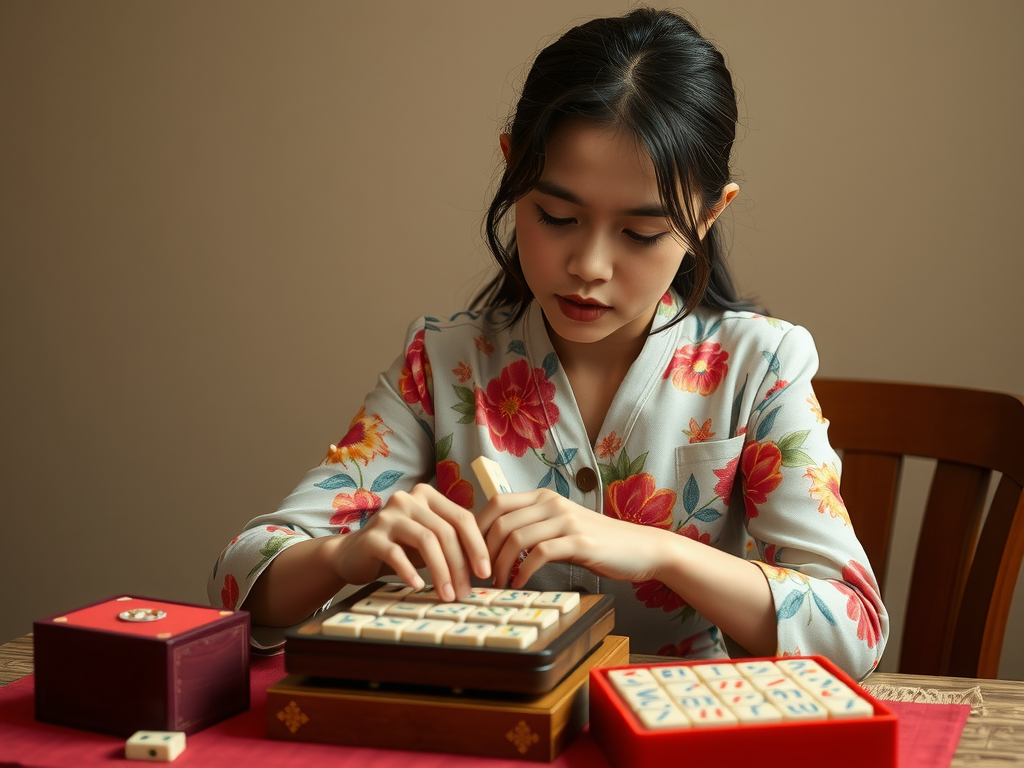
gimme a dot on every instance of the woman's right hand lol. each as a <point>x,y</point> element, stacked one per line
<point>415,529</point>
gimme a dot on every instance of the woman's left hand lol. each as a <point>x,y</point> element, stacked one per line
<point>554,529</point>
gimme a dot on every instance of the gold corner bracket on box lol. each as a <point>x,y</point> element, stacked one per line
<point>529,728</point>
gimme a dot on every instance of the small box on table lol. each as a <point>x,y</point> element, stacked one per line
<point>132,664</point>
<point>511,726</point>
<point>799,710</point>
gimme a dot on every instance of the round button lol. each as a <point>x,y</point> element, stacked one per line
<point>586,479</point>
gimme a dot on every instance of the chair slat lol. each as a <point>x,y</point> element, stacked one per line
<point>944,551</point>
<point>868,487</point>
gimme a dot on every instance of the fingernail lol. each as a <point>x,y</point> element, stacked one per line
<point>483,568</point>
<point>448,592</point>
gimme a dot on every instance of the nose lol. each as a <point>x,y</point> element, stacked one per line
<point>591,259</point>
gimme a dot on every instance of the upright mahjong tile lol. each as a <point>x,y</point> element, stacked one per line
<point>518,598</point>
<point>848,707</point>
<point>757,668</point>
<point>755,714</point>
<point>560,601</point>
<point>491,614</point>
<point>704,717</point>
<point>371,605</point>
<point>537,617</point>
<point>394,591</point>
<point>384,628</point>
<point>448,611</point>
<point>677,673</point>
<point>516,636</point>
<point>345,624</point>
<point>429,631</point>
<point>467,634</point>
<point>668,717</point>
<point>408,610</point>
<point>715,671</point>
<point>482,596</point>
<point>425,594</point>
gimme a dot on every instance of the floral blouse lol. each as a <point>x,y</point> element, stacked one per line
<point>714,434</point>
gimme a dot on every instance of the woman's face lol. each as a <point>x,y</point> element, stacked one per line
<point>595,244</point>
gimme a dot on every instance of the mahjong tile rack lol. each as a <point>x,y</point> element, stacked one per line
<point>798,710</point>
<point>512,641</point>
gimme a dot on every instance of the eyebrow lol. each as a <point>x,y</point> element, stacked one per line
<point>554,190</point>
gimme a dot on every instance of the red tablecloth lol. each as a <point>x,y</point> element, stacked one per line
<point>928,736</point>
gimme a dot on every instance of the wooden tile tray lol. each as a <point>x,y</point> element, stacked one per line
<point>535,669</point>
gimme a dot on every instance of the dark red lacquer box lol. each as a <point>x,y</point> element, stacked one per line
<point>119,666</point>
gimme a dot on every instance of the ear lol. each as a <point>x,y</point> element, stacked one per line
<point>506,143</point>
<point>729,191</point>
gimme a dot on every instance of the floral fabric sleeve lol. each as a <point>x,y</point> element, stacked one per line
<point>826,597</point>
<point>387,447</point>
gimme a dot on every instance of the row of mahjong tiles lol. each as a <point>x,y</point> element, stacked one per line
<point>495,618</point>
<point>681,696</point>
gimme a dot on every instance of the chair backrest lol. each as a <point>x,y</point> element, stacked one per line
<point>964,574</point>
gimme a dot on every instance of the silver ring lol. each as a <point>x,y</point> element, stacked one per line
<point>142,614</point>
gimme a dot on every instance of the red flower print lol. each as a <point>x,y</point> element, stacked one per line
<point>698,433</point>
<point>451,484</point>
<point>416,379</point>
<point>463,371</point>
<point>862,598</point>
<point>636,500</point>
<point>609,446</point>
<point>516,408</point>
<point>761,471</point>
<point>654,594</point>
<point>825,488</point>
<point>692,532</point>
<point>771,554</point>
<point>484,345</point>
<point>229,594</point>
<point>278,528</point>
<point>726,477</point>
<point>354,508</point>
<point>777,386</point>
<point>363,442</point>
<point>682,650</point>
<point>698,368</point>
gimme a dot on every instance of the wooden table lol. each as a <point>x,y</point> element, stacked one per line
<point>993,736</point>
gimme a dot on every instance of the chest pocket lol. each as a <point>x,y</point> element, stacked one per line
<point>705,486</point>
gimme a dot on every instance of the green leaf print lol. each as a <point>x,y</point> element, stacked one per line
<point>825,611</point>
<point>466,405</point>
<point>516,346</point>
<point>791,604</point>
<point>271,548</point>
<point>691,495</point>
<point>385,480</point>
<point>550,365</point>
<point>443,448</point>
<point>773,362</point>
<point>336,482</point>
<point>767,423</point>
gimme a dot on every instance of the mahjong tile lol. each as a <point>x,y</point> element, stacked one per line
<point>624,679</point>
<point>384,628</point>
<point>392,592</point>
<point>669,717</point>
<point>372,606</point>
<point>345,624</point>
<point>797,667</point>
<point>757,668</point>
<point>467,634</point>
<point>425,594</point>
<point>808,709</point>
<point>765,684</point>
<point>537,617</point>
<point>742,699</point>
<point>752,714</point>
<point>560,601</point>
<point>780,696</point>
<point>831,687</point>
<point>427,631</point>
<point>715,671</point>
<point>697,702</point>
<point>853,707</point>
<point>519,598</point>
<point>448,611</point>
<point>481,596</point>
<point>408,610</point>
<point>639,693</point>
<point>511,636</point>
<point>491,614</point>
<point>687,688</point>
<point>710,716</point>
<point>730,685</point>
<point>674,674</point>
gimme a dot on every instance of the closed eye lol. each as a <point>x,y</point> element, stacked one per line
<point>546,218</point>
<point>644,239</point>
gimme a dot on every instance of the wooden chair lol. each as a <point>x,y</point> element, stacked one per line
<point>964,573</point>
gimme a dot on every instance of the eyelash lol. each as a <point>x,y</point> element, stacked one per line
<point>546,218</point>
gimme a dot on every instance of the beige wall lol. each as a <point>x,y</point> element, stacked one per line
<point>217,219</point>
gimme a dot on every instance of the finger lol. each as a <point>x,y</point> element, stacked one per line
<point>527,537</point>
<point>410,534</point>
<point>502,504</point>
<point>549,551</point>
<point>469,539</point>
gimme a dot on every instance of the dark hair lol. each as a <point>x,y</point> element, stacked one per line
<point>652,74</point>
